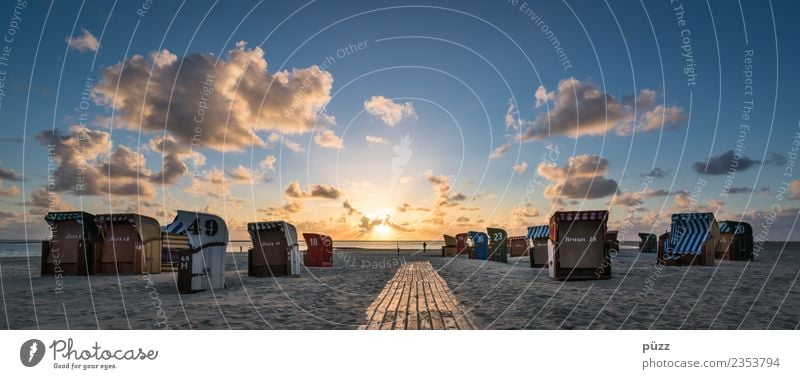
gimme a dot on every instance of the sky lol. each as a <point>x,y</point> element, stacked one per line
<point>399,119</point>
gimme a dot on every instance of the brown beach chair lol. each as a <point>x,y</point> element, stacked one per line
<point>577,248</point>
<point>735,241</point>
<point>518,246</point>
<point>73,244</point>
<point>450,246</point>
<point>275,250</point>
<point>132,244</point>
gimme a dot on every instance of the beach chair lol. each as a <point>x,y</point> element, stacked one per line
<point>499,245</point>
<point>735,241</point>
<point>612,240</point>
<point>692,241</point>
<point>73,244</point>
<point>132,244</point>
<point>461,245</point>
<point>480,245</point>
<point>202,266</point>
<point>450,246</point>
<point>518,246</point>
<point>319,250</point>
<point>577,249</point>
<point>539,235</point>
<point>275,249</point>
<point>648,243</point>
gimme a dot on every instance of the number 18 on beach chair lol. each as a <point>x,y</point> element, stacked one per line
<point>319,250</point>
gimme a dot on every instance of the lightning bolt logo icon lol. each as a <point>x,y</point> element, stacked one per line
<point>31,352</point>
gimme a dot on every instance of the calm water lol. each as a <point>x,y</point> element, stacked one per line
<point>22,249</point>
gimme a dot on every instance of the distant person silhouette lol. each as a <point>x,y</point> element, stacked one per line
<point>424,247</point>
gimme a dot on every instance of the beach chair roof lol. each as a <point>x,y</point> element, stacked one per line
<point>86,219</point>
<point>689,232</point>
<point>577,216</point>
<point>267,225</point>
<point>183,222</point>
<point>450,240</point>
<point>735,227</point>
<point>517,238</point>
<point>479,237</point>
<point>147,227</point>
<point>539,231</point>
<point>78,216</point>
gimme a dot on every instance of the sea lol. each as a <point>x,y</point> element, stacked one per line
<point>21,248</point>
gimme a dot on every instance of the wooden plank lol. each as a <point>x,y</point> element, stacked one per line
<point>390,311</point>
<point>436,317</point>
<point>379,305</point>
<point>416,298</point>
<point>413,316</point>
<point>458,313</point>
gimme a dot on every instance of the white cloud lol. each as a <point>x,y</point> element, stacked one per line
<point>269,163</point>
<point>86,41</point>
<point>521,167</point>
<point>542,96</point>
<point>328,139</point>
<point>375,140</point>
<point>390,112</point>
<point>214,102</point>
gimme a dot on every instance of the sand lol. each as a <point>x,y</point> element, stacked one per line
<point>760,294</point>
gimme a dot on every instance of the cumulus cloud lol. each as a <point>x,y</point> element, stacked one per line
<point>387,110</point>
<point>268,163</point>
<point>542,96</point>
<point>501,150</point>
<point>372,140</point>
<point>11,191</point>
<point>521,167</point>
<point>583,109</point>
<point>776,159</point>
<point>512,119</point>
<point>635,198</point>
<point>84,169</point>
<point>9,174</point>
<point>285,210</point>
<point>241,175</point>
<point>328,139</point>
<point>721,164</point>
<point>656,172</point>
<point>581,178</point>
<point>794,190</point>
<point>322,191</point>
<point>86,41</point>
<point>43,201</point>
<point>211,102</point>
<point>443,194</point>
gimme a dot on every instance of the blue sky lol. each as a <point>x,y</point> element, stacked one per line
<point>449,70</point>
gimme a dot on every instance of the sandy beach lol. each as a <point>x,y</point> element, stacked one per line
<point>760,294</point>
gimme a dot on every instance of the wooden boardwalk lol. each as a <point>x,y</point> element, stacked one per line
<point>416,298</point>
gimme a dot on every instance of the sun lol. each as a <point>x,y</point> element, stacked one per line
<point>382,230</point>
